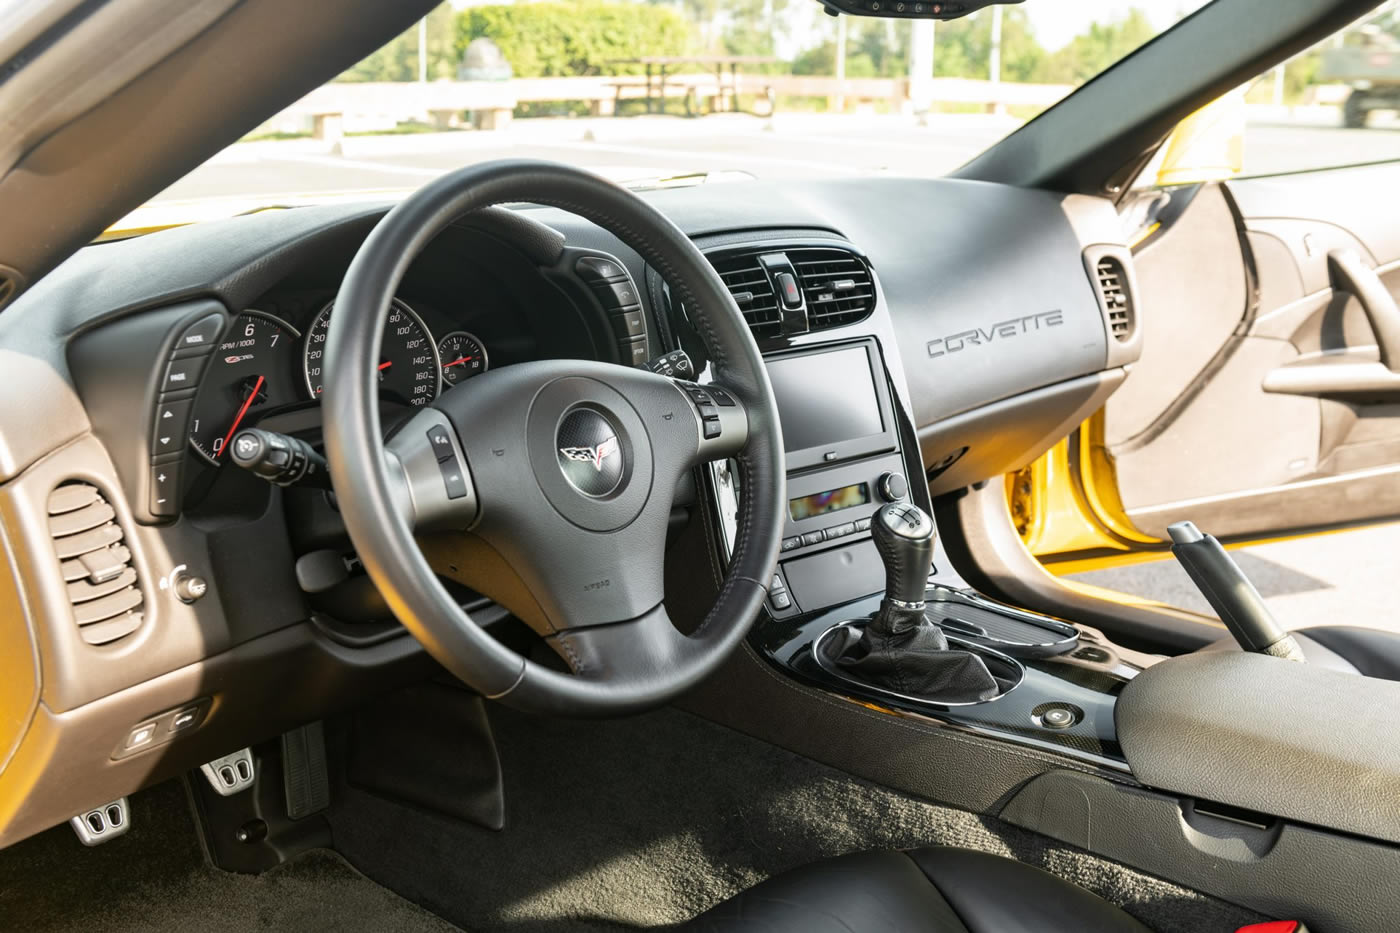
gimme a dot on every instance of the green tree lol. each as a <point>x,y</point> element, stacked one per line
<point>575,38</point>
<point>397,60</point>
<point>1093,51</point>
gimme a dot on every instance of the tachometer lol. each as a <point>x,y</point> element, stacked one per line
<point>463,356</point>
<point>253,370</point>
<point>410,372</point>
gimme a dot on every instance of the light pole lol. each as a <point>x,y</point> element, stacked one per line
<point>921,66</point>
<point>994,61</point>
<point>423,50</point>
<point>838,102</point>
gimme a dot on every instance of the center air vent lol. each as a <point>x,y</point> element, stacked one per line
<point>748,282</point>
<point>1113,289</point>
<point>837,288</point>
<point>97,571</point>
<point>836,284</point>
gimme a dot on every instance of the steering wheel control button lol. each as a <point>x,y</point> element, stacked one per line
<point>452,478</point>
<point>183,374</point>
<point>590,453</point>
<point>617,295</point>
<point>441,443</point>
<point>722,398</point>
<point>892,487</point>
<point>200,337</point>
<point>598,269</point>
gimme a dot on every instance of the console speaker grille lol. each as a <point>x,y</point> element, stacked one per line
<point>102,585</point>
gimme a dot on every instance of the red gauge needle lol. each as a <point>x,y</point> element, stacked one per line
<point>465,359</point>
<point>238,418</point>
<point>385,365</point>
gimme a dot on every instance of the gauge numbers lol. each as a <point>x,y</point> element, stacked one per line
<point>253,370</point>
<point>463,356</point>
<point>410,372</point>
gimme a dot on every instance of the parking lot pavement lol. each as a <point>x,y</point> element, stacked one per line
<point>630,149</point>
<point>1343,578</point>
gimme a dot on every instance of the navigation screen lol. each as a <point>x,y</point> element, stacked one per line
<point>824,398</point>
<point>833,500</point>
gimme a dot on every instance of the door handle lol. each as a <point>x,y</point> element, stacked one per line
<point>1349,273</point>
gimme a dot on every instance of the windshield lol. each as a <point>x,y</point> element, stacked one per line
<point>673,93</point>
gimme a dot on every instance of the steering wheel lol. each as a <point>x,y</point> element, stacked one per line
<point>548,485</point>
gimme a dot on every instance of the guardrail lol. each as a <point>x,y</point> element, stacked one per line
<point>492,103</point>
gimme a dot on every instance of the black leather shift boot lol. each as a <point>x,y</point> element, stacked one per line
<point>900,650</point>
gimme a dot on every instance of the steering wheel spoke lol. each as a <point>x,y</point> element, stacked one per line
<point>432,485</point>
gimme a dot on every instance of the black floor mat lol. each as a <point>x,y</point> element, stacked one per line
<point>154,880</point>
<point>646,821</point>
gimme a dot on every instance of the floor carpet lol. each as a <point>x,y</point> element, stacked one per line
<point>648,821</point>
<point>154,880</point>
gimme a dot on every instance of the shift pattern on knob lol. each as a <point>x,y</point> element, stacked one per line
<point>904,535</point>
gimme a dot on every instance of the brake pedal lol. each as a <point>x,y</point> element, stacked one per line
<point>232,773</point>
<point>107,822</point>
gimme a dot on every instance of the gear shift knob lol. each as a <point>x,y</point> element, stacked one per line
<point>904,535</point>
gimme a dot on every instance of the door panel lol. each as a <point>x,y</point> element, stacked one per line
<point>1294,421</point>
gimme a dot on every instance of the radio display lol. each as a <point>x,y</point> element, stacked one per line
<point>825,398</point>
<point>833,500</point>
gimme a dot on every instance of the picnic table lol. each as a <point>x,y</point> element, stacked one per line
<point>659,67</point>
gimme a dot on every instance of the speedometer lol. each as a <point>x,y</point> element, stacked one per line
<point>410,372</point>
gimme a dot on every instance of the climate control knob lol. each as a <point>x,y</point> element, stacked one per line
<point>892,487</point>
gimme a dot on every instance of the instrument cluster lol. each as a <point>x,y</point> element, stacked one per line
<point>265,364</point>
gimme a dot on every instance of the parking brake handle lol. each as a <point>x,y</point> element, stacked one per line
<point>1230,593</point>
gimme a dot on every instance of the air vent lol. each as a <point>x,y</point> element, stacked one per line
<point>1113,288</point>
<point>97,571</point>
<point>836,284</point>
<point>748,283</point>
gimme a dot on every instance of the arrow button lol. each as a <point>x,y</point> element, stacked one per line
<point>171,425</point>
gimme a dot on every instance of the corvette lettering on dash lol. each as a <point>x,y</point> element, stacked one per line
<point>1003,330</point>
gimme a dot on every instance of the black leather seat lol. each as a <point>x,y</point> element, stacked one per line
<point>1346,648</point>
<point>934,890</point>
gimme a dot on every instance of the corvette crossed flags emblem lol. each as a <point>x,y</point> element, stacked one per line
<point>594,455</point>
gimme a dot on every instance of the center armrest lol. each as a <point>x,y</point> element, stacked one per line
<point>1292,740</point>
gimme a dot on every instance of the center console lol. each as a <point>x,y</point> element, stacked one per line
<point>848,455</point>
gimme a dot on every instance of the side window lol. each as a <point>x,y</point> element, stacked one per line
<point>1333,105</point>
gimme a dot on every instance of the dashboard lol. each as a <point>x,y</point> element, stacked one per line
<point>969,310</point>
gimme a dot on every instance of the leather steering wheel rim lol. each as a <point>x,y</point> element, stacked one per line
<point>620,667</point>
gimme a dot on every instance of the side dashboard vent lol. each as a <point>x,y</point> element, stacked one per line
<point>102,584</point>
<point>836,284</point>
<point>1112,283</point>
<point>748,282</point>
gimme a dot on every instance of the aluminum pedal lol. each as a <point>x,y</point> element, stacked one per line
<point>102,824</point>
<point>232,773</point>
